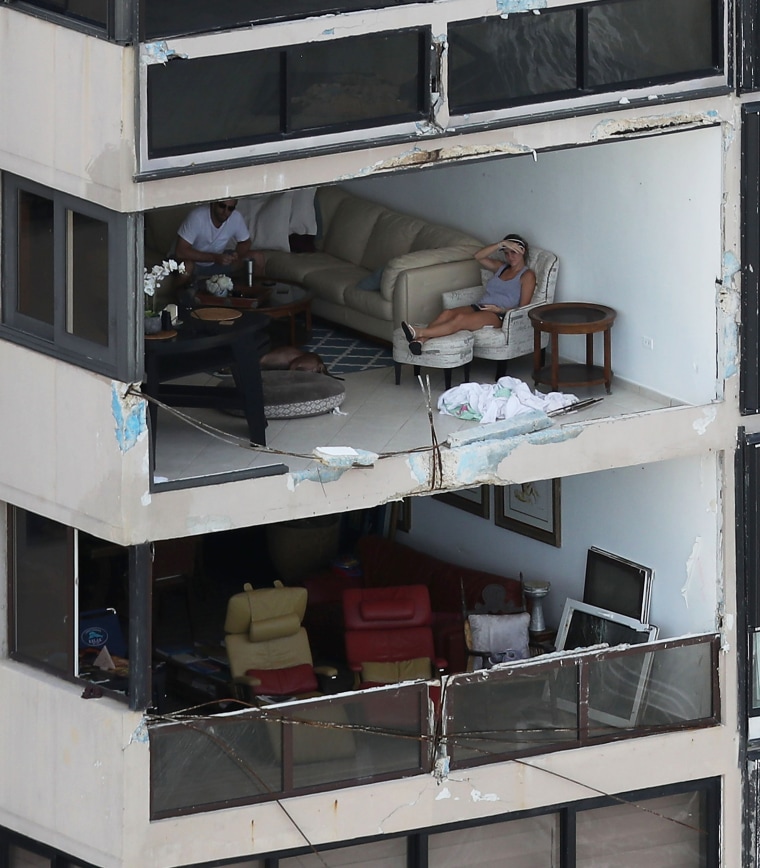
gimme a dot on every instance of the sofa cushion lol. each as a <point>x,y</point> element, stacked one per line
<point>350,229</point>
<point>393,235</point>
<point>432,235</point>
<point>370,303</point>
<point>332,284</point>
<point>296,267</point>
<point>371,283</point>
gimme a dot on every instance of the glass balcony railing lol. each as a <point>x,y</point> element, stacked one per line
<point>538,706</point>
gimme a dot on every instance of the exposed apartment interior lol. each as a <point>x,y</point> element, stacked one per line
<point>380,634</point>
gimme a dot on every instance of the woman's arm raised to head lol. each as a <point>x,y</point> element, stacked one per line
<point>485,256</point>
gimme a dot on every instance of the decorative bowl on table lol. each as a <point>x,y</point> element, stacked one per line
<point>220,285</point>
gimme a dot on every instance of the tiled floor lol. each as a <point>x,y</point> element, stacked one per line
<point>376,415</point>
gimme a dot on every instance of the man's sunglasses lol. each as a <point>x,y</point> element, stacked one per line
<point>224,207</point>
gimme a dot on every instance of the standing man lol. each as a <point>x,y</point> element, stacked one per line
<point>213,239</point>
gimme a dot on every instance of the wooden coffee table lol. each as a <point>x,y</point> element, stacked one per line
<point>277,298</point>
<point>572,318</point>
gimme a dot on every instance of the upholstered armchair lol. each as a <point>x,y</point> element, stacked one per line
<point>268,649</point>
<point>515,337</point>
<point>389,635</point>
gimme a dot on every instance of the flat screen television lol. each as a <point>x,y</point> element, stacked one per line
<point>617,584</point>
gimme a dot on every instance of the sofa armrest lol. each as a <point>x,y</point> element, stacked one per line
<point>416,291</point>
<point>518,328</point>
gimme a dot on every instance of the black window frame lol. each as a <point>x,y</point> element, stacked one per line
<point>582,62</point>
<point>284,53</point>
<point>749,377</point>
<point>120,357</point>
<point>120,26</point>
<point>139,643</point>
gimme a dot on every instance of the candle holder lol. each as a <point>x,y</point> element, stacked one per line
<point>535,591</point>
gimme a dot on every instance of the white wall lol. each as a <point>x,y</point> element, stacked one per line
<point>636,225</point>
<point>660,515</point>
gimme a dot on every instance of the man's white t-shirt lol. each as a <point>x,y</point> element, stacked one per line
<point>199,231</point>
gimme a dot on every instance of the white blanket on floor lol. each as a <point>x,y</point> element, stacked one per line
<point>490,402</point>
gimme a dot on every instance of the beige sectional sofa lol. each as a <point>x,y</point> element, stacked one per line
<point>359,242</point>
<point>409,261</point>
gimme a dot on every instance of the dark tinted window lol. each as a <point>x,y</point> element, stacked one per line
<point>498,62</point>
<point>648,40</point>
<point>35,297</point>
<point>162,18</point>
<point>513,59</point>
<point>236,99</point>
<point>43,592</point>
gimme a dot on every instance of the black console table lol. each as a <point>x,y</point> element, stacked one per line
<point>199,346</point>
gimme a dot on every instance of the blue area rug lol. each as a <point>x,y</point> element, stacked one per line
<point>344,353</point>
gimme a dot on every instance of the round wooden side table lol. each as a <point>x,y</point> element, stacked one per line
<point>572,318</point>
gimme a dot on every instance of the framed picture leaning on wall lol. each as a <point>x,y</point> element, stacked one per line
<point>530,508</point>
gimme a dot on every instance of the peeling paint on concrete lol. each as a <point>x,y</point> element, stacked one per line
<point>508,7</point>
<point>728,306</point>
<point>696,584</point>
<point>207,524</point>
<point>615,127</point>
<point>445,793</point>
<point>345,456</point>
<point>708,417</point>
<point>535,420</point>
<point>129,415</point>
<point>140,735</point>
<point>477,796</point>
<point>159,52</point>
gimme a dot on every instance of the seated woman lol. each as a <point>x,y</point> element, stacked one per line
<point>512,285</point>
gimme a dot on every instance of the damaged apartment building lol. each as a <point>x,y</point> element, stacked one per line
<point>143,484</point>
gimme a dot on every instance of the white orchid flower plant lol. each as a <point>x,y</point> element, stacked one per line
<point>152,278</point>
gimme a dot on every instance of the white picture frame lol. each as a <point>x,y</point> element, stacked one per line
<point>583,625</point>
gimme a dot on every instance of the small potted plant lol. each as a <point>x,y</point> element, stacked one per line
<point>151,279</point>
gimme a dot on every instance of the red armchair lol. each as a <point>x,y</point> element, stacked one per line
<point>389,636</point>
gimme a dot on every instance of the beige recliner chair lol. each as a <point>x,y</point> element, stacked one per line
<point>268,649</point>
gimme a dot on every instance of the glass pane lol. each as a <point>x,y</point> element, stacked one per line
<point>88,286</point>
<point>375,734</point>
<point>22,858</point>
<point>648,39</point>
<point>213,102</point>
<point>35,257</point>
<point>214,762</point>
<point>668,832</point>
<point>528,843</point>
<point>509,712</point>
<point>354,81</point>
<point>378,854</point>
<point>172,17</point>
<point>499,61</point>
<point>42,591</point>
<point>646,688</point>
<point>756,670</point>
<point>92,11</point>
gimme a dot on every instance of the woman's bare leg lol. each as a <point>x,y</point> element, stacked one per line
<point>459,318</point>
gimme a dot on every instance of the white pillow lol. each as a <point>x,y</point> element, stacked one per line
<point>303,216</point>
<point>269,222</point>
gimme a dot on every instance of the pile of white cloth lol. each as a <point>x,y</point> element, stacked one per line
<point>504,399</point>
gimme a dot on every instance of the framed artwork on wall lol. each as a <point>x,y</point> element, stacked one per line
<point>476,500</point>
<point>530,508</point>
